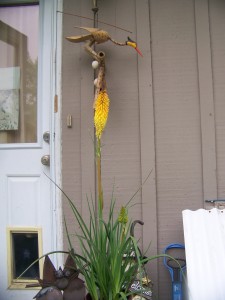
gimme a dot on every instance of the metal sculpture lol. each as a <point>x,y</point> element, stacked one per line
<point>55,281</point>
<point>49,293</point>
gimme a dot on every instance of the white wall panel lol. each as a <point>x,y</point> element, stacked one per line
<point>204,234</point>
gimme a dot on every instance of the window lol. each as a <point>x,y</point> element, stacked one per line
<point>18,71</point>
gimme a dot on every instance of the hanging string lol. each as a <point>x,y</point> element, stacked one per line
<point>87,18</point>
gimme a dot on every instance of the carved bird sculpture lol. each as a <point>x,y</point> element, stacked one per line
<point>99,36</point>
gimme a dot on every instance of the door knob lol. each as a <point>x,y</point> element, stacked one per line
<point>45,160</point>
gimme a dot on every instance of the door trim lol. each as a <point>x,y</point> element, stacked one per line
<point>56,124</point>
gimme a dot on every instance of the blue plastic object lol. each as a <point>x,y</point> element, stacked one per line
<point>175,271</point>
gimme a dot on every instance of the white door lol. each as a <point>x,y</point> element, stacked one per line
<point>27,103</point>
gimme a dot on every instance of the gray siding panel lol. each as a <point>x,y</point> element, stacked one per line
<point>77,90</point>
<point>177,121</point>
<point>206,99</point>
<point>70,137</point>
<point>217,31</point>
<point>121,150</point>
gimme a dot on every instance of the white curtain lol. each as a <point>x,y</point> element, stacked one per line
<point>204,235</point>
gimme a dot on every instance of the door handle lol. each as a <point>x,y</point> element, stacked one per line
<point>45,160</point>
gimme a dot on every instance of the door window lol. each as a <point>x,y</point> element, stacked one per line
<point>18,73</point>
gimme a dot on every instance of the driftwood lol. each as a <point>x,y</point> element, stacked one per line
<point>100,58</point>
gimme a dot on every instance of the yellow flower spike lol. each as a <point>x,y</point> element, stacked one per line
<point>123,216</point>
<point>123,219</point>
<point>101,112</point>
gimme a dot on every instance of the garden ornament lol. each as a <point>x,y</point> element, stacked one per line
<point>49,293</point>
<point>141,282</point>
<point>55,281</point>
<point>99,36</point>
<point>75,290</point>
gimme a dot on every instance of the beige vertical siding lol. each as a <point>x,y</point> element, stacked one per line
<point>177,121</point>
<point>121,150</point>
<point>77,89</point>
<point>167,114</point>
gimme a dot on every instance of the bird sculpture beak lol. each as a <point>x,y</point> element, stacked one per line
<point>138,51</point>
<point>133,44</point>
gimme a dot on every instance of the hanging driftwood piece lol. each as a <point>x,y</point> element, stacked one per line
<point>101,83</point>
<point>99,36</point>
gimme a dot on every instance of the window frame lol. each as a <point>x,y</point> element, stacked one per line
<point>4,3</point>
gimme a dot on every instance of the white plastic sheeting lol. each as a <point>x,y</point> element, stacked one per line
<point>204,235</point>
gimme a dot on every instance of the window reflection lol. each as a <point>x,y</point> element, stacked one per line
<point>18,74</point>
